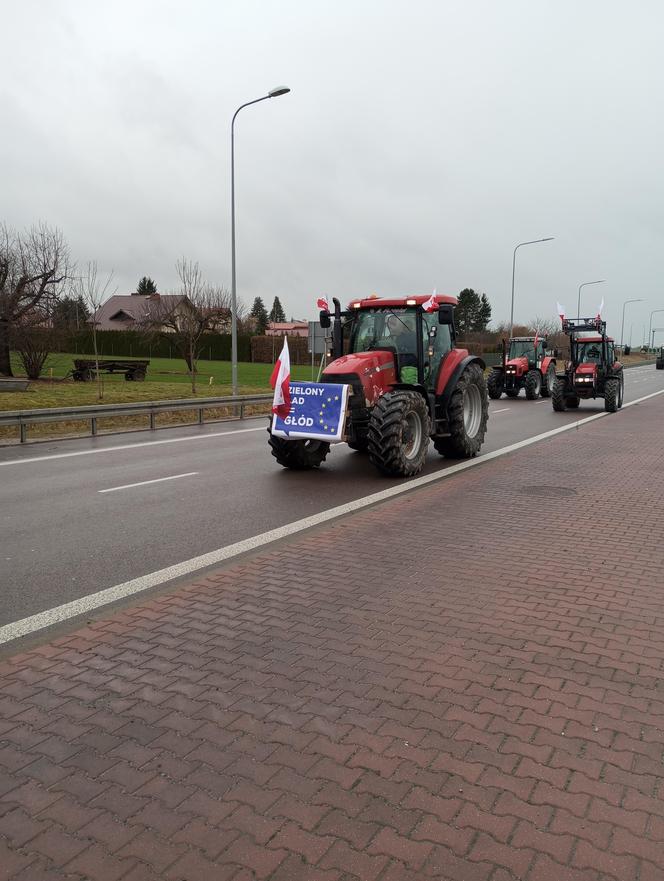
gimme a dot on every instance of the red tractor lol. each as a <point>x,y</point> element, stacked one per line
<point>409,385</point>
<point>593,370</point>
<point>525,365</point>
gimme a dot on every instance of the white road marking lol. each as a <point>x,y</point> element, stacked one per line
<point>135,446</point>
<point>188,567</point>
<point>504,410</point>
<point>114,489</point>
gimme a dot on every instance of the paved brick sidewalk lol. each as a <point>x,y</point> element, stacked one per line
<point>463,684</point>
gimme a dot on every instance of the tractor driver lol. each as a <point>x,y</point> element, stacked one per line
<point>401,334</point>
<point>591,354</point>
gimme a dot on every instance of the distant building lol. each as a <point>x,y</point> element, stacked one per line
<point>288,328</point>
<point>134,311</point>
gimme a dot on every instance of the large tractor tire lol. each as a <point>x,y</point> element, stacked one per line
<point>399,433</point>
<point>359,446</point>
<point>548,382</point>
<point>468,414</point>
<point>299,455</point>
<point>558,399</point>
<point>613,395</point>
<point>573,402</point>
<point>533,384</point>
<point>495,384</point>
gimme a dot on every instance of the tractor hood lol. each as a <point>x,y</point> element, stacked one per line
<point>586,370</point>
<point>374,370</point>
<point>521,363</point>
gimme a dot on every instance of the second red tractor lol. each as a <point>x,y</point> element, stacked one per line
<point>526,365</point>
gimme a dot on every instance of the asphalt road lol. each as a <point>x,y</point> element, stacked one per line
<point>80,516</point>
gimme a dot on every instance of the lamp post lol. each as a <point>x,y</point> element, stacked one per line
<point>273,93</point>
<point>578,307</point>
<point>520,245</point>
<point>622,326</point>
<point>650,330</point>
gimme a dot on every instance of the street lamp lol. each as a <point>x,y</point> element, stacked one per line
<point>520,245</point>
<point>622,326</point>
<point>578,308</point>
<point>650,330</point>
<point>273,93</point>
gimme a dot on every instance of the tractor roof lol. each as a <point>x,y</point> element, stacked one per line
<point>526,339</point>
<point>592,339</point>
<point>387,302</point>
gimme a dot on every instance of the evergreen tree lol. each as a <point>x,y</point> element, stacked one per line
<point>146,286</point>
<point>484,314</point>
<point>276,312</point>
<point>466,312</point>
<point>260,316</point>
<point>70,313</point>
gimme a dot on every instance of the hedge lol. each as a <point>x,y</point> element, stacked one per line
<point>132,344</point>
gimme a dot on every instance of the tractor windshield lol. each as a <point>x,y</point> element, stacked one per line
<point>384,328</point>
<point>588,353</point>
<point>521,348</point>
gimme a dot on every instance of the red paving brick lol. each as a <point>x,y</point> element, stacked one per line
<point>464,684</point>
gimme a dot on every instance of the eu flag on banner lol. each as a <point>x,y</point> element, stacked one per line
<point>318,412</point>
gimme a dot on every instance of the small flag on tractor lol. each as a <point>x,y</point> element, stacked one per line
<point>536,341</point>
<point>322,303</point>
<point>431,304</point>
<point>280,382</point>
<point>599,311</point>
<point>561,311</point>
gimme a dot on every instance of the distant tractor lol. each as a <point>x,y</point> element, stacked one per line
<point>593,370</point>
<point>409,385</point>
<point>659,363</point>
<point>526,365</point>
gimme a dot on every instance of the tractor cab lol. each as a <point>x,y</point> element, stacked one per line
<point>659,363</point>
<point>593,370</point>
<point>525,352</point>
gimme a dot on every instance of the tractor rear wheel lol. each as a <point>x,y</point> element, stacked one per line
<point>548,382</point>
<point>299,455</point>
<point>399,433</point>
<point>533,384</point>
<point>495,384</point>
<point>558,396</point>
<point>613,395</point>
<point>468,414</point>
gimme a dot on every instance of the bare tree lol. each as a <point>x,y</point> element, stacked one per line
<point>94,292</point>
<point>34,341</point>
<point>184,317</point>
<point>34,266</point>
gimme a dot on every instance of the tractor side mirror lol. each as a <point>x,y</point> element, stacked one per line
<point>445,313</point>
<point>325,320</point>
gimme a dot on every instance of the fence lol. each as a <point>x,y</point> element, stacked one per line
<point>236,404</point>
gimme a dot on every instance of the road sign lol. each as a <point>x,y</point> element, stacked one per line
<point>318,412</point>
<point>318,339</point>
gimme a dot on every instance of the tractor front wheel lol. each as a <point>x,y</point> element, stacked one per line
<point>533,384</point>
<point>299,455</point>
<point>468,414</point>
<point>548,382</point>
<point>399,433</point>
<point>495,384</point>
<point>613,395</point>
<point>558,399</point>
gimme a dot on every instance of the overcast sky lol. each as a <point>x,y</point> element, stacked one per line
<point>421,141</point>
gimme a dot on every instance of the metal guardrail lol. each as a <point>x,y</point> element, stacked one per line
<point>25,418</point>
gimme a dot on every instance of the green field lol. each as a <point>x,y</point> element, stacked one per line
<point>166,379</point>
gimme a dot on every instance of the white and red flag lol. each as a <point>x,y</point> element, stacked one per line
<point>280,382</point>
<point>536,340</point>
<point>599,311</point>
<point>431,304</point>
<point>322,303</point>
<point>561,311</point>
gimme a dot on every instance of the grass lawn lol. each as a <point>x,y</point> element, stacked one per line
<point>167,379</point>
